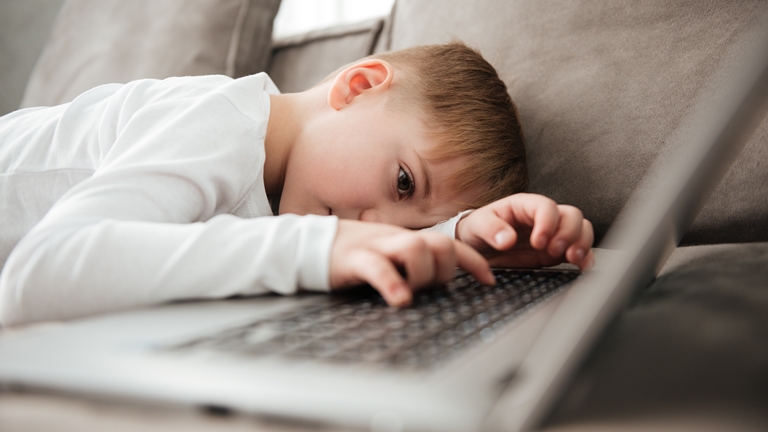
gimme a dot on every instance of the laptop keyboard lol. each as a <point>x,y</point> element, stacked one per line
<point>440,323</point>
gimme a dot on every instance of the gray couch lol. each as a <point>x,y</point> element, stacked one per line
<point>603,88</point>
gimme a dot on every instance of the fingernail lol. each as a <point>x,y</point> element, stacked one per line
<point>502,238</point>
<point>560,247</point>
<point>401,296</point>
<point>580,254</point>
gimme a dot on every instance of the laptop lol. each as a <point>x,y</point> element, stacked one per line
<point>463,357</point>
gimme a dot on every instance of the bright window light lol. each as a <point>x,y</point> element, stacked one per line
<point>301,16</point>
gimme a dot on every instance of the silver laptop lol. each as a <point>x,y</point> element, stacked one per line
<point>463,357</point>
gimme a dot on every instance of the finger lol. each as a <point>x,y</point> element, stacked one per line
<point>444,254</point>
<point>381,274</point>
<point>474,263</point>
<point>577,252</point>
<point>546,219</point>
<point>411,252</point>
<point>568,230</point>
<point>536,211</point>
<point>492,229</point>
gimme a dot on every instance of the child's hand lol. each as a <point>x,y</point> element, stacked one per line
<point>372,253</point>
<point>526,230</point>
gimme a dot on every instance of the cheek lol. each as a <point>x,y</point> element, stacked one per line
<point>350,185</point>
<point>347,173</point>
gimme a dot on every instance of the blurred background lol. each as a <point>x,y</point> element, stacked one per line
<point>300,16</point>
<point>26,24</point>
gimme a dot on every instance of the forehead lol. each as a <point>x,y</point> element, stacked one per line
<point>443,200</point>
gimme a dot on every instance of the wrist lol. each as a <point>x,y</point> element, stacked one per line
<point>459,219</point>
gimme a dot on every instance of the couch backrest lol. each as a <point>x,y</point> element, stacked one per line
<point>299,62</point>
<point>95,42</point>
<point>603,87</point>
<point>24,29</point>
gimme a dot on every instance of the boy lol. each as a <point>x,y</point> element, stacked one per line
<point>152,191</point>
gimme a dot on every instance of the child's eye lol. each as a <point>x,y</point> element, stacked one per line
<point>404,183</point>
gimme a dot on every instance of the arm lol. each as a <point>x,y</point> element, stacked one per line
<point>76,266</point>
<point>152,224</point>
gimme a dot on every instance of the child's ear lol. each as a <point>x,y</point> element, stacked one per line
<point>372,75</point>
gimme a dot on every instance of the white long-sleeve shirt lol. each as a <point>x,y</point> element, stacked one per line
<point>142,193</point>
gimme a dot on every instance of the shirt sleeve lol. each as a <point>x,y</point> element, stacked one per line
<point>153,225</point>
<point>448,227</point>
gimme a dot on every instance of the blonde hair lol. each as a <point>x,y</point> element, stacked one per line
<point>467,106</point>
<point>469,111</point>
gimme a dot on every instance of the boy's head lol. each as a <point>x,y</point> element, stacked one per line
<point>468,110</point>
<point>391,123</point>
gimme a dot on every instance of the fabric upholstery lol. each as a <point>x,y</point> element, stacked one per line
<point>102,41</point>
<point>603,86</point>
<point>694,343</point>
<point>24,29</point>
<point>383,42</point>
<point>299,62</point>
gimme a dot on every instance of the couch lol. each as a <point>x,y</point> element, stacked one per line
<point>603,89</point>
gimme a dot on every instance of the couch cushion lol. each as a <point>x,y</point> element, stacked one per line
<point>299,62</point>
<point>694,344</point>
<point>102,41</point>
<point>602,87</point>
